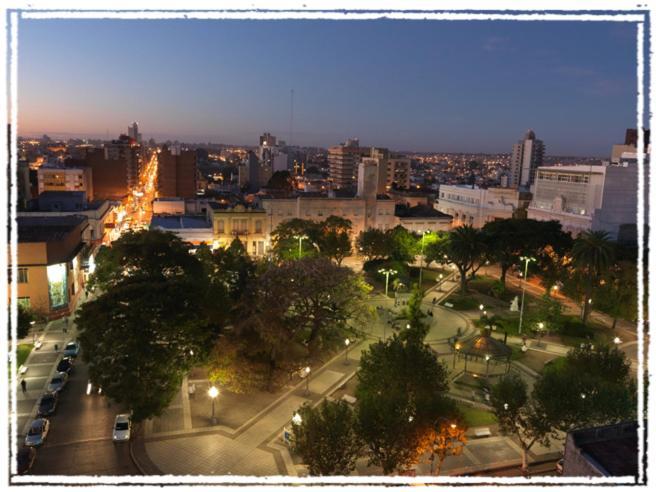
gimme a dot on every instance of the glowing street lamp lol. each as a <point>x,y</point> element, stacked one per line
<point>347,342</point>
<point>421,264</point>
<point>481,307</point>
<point>487,364</point>
<point>306,371</point>
<point>617,340</point>
<point>213,392</point>
<point>455,353</point>
<point>525,259</point>
<point>300,244</point>
<point>387,273</point>
<point>297,419</point>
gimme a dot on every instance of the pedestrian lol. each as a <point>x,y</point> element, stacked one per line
<point>24,385</point>
<point>434,300</point>
<point>56,348</point>
<point>66,325</point>
<point>192,390</point>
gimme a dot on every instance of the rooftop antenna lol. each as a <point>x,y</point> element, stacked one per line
<point>291,119</point>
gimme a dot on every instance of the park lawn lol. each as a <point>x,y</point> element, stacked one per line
<point>476,417</point>
<point>22,352</point>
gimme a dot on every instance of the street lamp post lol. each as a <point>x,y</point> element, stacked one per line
<point>213,392</point>
<point>526,260</point>
<point>347,342</point>
<point>387,272</point>
<point>307,380</point>
<point>455,352</point>
<point>421,261</point>
<point>487,365</point>
<point>300,244</point>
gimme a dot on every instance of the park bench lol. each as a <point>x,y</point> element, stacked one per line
<point>482,432</point>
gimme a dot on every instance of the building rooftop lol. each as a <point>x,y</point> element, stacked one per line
<point>419,211</point>
<point>180,222</point>
<point>613,448</point>
<point>45,228</point>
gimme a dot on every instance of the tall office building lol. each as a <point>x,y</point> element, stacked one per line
<point>343,162</point>
<point>133,132</point>
<point>526,157</point>
<point>176,173</point>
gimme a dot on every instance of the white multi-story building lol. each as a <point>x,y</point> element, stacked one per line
<point>583,197</point>
<point>527,155</point>
<point>65,179</point>
<point>474,206</point>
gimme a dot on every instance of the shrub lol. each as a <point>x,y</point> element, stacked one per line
<point>574,327</point>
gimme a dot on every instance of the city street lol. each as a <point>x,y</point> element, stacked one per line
<point>80,437</point>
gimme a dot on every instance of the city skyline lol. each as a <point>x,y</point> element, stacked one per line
<point>417,86</point>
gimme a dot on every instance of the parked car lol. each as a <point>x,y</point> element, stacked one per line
<point>122,426</point>
<point>72,349</point>
<point>25,459</point>
<point>57,382</point>
<point>47,404</point>
<point>65,365</point>
<point>38,432</point>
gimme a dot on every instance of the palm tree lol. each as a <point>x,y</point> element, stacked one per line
<point>593,253</point>
<point>466,248</point>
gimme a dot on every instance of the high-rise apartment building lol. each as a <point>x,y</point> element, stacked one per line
<point>343,162</point>
<point>176,173</point>
<point>527,156</point>
<point>133,132</point>
<point>126,149</point>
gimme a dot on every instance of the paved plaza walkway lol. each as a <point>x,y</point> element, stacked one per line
<point>247,438</point>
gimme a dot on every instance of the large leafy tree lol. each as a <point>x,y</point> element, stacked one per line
<point>593,254</point>
<point>592,386</point>
<point>404,244</point>
<point>138,256</point>
<point>139,340</point>
<point>296,238</point>
<point>466,248</point>
<point>335,240</point>
<point>326,438</point>
<point>618,291</point>
<point>511,238</point>
<point>374,244</point>
<point>401,396</point>
<point>517,415</point>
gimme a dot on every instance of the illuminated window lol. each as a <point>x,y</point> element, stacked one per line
<point>57,285</point>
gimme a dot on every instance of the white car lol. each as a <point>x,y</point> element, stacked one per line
<point>122,426</point>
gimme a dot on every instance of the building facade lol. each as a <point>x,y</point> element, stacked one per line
<point>51,257</point>
<point>176,173</point>
<point>527,156</point>
<point>249,225</point>
<point>343,163</point>
<point>588,197</point>
<point>65,179</point>
<point>474,206</point>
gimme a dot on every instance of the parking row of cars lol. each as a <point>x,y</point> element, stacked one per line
<point>40,427</point>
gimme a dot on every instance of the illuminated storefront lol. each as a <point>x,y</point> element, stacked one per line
<point>57,285</point>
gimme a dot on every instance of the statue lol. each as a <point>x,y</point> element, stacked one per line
<point>514,305</point>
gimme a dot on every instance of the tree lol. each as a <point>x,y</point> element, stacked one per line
<point>448,439</point>
<point>326,438</point>
<point>139,340</point>
<point>335,241</point>
<point>25,319</point>
<point>466,249</point>
<point>516,414</point>
<point>418,327</point>
<point>373,244</point>
<point>296,238</point>
<point>148,255</point>
<point>593,386</point>
<point>403,244</point>
<point>592,253</point>
<point>401,394</point>
<point>618,291</point>
<point>281,180</point>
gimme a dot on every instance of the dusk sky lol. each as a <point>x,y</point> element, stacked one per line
<point>406,85</point>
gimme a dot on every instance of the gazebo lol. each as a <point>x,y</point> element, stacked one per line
<point>484,349</point>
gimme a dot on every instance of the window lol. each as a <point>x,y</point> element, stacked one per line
<point>220,227</point>
<point>258,226</point>
<point>22,275</point>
